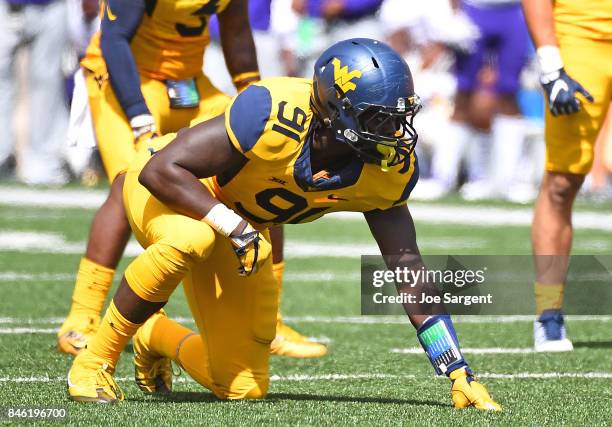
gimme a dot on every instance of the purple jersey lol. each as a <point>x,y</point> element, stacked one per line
<point>353,9</point>
<point>29,2</point>
<point>259,17</point>
<point>503,40</point>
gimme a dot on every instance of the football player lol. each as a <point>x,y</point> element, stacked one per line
<point>144,76</point>
<point>574,46</point>
<point>286,150</point>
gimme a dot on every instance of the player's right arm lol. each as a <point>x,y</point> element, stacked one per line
<point>560,88</point>
<point>211,148</point>
<point>120,21</point>
<point>540,20</point>
<point>173,176</point>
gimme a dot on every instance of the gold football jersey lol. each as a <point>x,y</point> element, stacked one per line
<point>170,40</point>
<point>591,19</point>
<point>270,124</point>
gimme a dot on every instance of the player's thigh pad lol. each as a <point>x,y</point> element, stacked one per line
<point>173,242</point>
<point>236,317</point>
<point>570,139</point>
<point>113,132</point>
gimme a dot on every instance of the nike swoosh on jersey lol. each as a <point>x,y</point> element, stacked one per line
<point>334,197</point>
<point>109,13</point>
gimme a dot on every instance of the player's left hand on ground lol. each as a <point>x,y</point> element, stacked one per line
<point>466,391</point>
<point>251,248</point>
<point>561,91</point>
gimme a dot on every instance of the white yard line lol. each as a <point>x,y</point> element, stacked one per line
<point>56,243</point>
<point>546,375</point>
<point>467,350</point>
<point>479,216</point>
<point>20,322</point>
<point>298,276</point>
<point>353,377</point>
<point>457,319</point>
<point>53,331</point>
<point>20,331</point>
<point>49,198</point>
<point>18,276</point>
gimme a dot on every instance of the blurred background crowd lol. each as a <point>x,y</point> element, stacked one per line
<point>480,131</point>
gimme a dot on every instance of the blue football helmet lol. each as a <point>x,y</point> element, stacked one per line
<point>363,90</point>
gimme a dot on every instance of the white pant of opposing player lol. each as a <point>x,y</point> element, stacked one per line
<point>41,29</point>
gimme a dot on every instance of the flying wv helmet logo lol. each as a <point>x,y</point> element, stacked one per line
<point>343,78</point>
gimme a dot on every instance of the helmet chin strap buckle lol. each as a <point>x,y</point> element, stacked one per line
<point>351,135</point>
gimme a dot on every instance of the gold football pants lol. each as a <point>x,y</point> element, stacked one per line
<point>570,139</point>
<point>236,316</point>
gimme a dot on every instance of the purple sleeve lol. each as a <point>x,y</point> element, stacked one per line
<point>115,37</point>
<point>352,8</point>
<point>360,7</point>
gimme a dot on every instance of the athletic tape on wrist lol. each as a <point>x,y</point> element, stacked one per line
<point>142,124</point>
<point>222,219</point>
<point>439,340</point>
<point>549,58</point>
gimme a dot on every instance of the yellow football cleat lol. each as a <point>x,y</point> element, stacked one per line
<point>90,380</point>
<point>466,392</point>
<point>76,331</point>
<point>290,343</point>
<point>153,373</point>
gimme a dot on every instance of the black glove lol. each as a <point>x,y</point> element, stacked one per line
<point>561,92</point>
<point>251,249</point>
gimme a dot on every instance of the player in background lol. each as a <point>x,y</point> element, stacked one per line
<point>39,28</point>
<point>574,46</point>
<point>494,59</point>
<point>287,150</point>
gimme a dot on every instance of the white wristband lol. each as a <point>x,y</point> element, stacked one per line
<point>549,58</point>
<point>142,124</point>
<point>222,219</point>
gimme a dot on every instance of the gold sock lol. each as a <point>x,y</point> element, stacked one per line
<point>170,339</point>
<point>114,333</point>
<point>163,336</point>
<point>92,285</point>
<point>548,296</point>
<point>277,270</point>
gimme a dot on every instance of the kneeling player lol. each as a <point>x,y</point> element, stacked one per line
<point>286,151</point>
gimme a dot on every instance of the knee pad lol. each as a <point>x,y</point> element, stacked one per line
<point>195,238</point>
<point>155,273</point>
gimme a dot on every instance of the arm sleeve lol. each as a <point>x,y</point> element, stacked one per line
<point>246,118</point>
<point>119,24</point>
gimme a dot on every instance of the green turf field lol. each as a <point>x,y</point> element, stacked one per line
<point>367,378</point>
